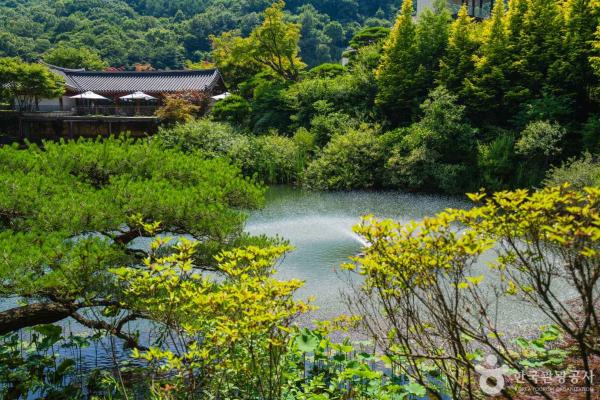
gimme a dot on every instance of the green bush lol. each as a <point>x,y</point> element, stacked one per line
<point>548,107</point>
<point>539,146</point>
<point>274,158</point>
<point>496,162</point>
<point>590,134</point>
<point>436,153</point>
<point>579,172</point>
<point>324,126</point>
<point>352,94</point>
<point>540,139</point>
<point>350,161</point>
<point>234,109</point>
<point>327,70</point>
<point>213,138</point>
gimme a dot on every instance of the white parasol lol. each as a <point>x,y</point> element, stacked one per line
<point>138,96</point>
<point>89,96</point>
<point>221,96</point>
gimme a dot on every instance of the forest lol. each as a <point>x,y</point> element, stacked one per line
<point>166,34</point>
<point>438,105</point>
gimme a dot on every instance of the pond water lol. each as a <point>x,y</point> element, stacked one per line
<point>319,226</point>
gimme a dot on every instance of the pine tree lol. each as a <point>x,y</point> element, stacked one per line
<point>515,70</point>
<point>581,19</point>
<point>433,30</point>
<point>411,60</point>
<point>458,64</point>
<point>485,91</point>
<point>595,57</point>
<point>399,76</point>
<point>541,47</point>
<point>515,16</point>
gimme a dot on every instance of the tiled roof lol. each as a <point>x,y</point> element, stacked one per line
<point>134,81</point>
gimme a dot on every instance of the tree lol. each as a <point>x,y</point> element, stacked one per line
<point>183,107</point>
<point>399,76</point>
<point>230,53</point>
<point>595,58</point>
<point>428,273</point>
<point>26,83</point>
<point>458,64</point>
<point>273,46</point>
<point>368,36</point>
<point>485,91</point>
<point>71,57</point>
<point>275,43</point>
<point>541,48</point>
<point>580,21</point>
<point>432,40</point>
<point>70,212</point>
<point>163,49</point>
<point>315,45</point>
<point>411,60</point>
<point>436,153</point>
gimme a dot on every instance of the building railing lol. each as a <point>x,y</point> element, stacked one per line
<point>96,110</point>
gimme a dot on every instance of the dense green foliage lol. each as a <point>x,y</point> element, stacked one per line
<point>166,33</point>
<point>69,212</point>
<point>453,105</point>
<point>71,57</point>
<point>273,158</point>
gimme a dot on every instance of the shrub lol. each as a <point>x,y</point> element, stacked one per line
<point>233,109</point>
<point>213,138</point>
<point>496,162</point>
<point>436,153</point>
<point>590,134</point>
<point>226,337</point>
<point>540,139</point>
<point>350,161</point>
<point>431,275</point>
<point>548,107</point>
<point>579,172</point>
<point>327,70</point>
<point>274,158</point>
<point>538,146</point>
<point>352,94</point>
<point>325,126</point>
<point>177,109</point>
<point>270,108</point>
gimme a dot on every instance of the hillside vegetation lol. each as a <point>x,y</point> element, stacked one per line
<point>167,33</point>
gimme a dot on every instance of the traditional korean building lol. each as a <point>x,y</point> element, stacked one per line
<point>115,84</point>
<point>112,102</point>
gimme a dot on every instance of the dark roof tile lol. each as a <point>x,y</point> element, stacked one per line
<point>133,81</point>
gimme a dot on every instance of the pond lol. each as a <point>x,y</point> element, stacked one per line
<point>319,226</point>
